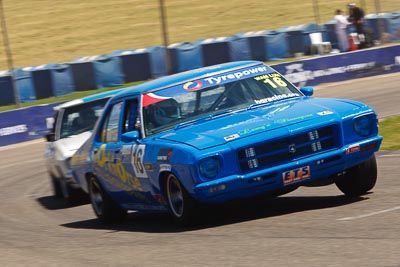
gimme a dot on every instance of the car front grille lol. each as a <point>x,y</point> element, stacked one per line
<point>282,150</point>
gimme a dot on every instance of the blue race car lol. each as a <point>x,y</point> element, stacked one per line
<point>219,133</point>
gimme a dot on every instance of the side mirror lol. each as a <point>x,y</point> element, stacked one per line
<point>307,90</point>
<point>50,137</point>
<point>130,137</point>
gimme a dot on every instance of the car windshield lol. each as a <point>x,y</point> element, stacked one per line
<point>187,102</point>
<point>81,118</point>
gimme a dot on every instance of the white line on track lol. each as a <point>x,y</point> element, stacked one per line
<point>369,214</point>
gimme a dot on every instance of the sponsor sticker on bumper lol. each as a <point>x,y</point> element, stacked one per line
<point>296,175</point>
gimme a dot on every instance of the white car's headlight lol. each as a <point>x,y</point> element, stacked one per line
<point>210,167</point>
<point>363,125</point>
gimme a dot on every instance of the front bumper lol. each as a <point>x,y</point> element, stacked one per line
<point>306,170</point>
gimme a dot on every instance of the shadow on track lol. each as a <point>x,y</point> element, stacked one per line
<point>54,203</point>
<point>221,214</point>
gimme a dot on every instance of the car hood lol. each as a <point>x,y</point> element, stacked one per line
<point>66,147</point>
<point>232,126</point>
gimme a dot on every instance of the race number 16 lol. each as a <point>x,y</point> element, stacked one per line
<point>137,161</point>
<point>275,82</point>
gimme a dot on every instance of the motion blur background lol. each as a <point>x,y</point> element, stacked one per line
<point>55,31</point>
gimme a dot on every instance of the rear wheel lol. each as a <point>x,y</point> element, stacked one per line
<point>103,205</point>
<point>359,179</point>
<point>180,203</point>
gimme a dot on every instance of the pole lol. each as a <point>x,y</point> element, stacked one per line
<point>381,25</point>
<point>316,11</point>
<point>7,49</point>
<point>165,36</point>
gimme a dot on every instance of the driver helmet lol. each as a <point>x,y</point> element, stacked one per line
<point>166,111</point>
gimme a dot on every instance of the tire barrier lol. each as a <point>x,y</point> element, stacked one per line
<point>185,56</point>
<point>83,75</point>
<point>30,123</point>
<point>215,50</point>
<point>135,64</point>
<point>7,93</point>
<point>125,66</point>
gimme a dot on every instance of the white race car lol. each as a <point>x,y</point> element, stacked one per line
<point>70,127</point>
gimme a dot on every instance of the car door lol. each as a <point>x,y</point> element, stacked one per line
<point>114,159</point>
<point>131,156</point>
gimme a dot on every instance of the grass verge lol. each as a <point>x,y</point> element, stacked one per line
<point>389,128</point>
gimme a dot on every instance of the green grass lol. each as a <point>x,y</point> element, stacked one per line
<point>53,31</point>
<point>389,128</point>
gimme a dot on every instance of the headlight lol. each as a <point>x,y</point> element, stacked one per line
<point>363,125</point>
<point>209,167</point>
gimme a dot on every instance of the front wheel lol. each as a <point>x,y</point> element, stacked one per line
<point>56,186</point>
<point>359,179</point>
<point>180,204</point>
<point>72,194</point>
<point>103,205</point>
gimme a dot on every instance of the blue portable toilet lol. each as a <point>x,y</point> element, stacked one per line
<point>276,45</point>
<point>257,44</point>
<point>375,25</point>
<point>158,63</point>
<point>239,47</point>
<point>185,56</point>
<point>107,71</point>
<point>215,50</point>
<point>135,64</point>
<point>296,40</point>
<point>6,89</point>
<point>331,33</point>
<point>24,83</point>
<point>310,27</point>
<point>83,74</point>
<point>62,81</point>
<point>42,81</point>
<point>393,20</point>
<point>173,53</point>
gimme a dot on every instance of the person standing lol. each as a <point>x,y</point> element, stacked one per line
<point>341,23</point>
<point>356,16</point>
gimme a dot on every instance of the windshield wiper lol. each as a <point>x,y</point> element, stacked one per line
<point>256,105</point>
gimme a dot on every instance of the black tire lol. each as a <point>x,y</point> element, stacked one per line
<point>103,205</point>
<point>71,194</point>
<point>181,205</point>
<point>56,186</point>
<point>359,179</point>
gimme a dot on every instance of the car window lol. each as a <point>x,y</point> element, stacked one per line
<point>165,108</point>
<point>80,118</point>
<point>131,119</point>
<point>110,129</point>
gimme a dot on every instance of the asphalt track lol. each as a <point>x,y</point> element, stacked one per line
<point>308,227</point>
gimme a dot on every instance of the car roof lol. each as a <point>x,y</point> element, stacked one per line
<point>183,77</point>
<point>89,98</point>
